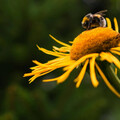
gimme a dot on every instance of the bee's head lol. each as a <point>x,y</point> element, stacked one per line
<point>87,20</point>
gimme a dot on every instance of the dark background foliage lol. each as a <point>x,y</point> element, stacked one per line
<point>25,23</point>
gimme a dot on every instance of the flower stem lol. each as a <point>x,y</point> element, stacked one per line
<point>110,74</point>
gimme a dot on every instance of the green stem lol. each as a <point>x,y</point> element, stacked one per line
<point>110,74</point>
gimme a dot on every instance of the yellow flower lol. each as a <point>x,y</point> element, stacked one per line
<point>90,47</point>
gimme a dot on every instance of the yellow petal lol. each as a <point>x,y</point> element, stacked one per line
<point>81,75</point>
<point>27,74</point>
<point>116,25</point>
<point>116,52</point>
<point>116,71</point>
<point>39,64</point>
<point>116,48</point>
<point>108,23</point>
<point>62,49</point>
<point>64,44</point>
<point>49,52</point>
<point>107,82</point>
<point>92,72</point>
<point>63,77</point>
<point>50,80</point>
<point>38,75</point>
<point>112,58</point>
<point>115,60</point>
<point>57,60</point>
<point>71,42</point>
<point>35,67</point>
<point>61,53</point>
<point>104,56</point>
<point>33,78</point>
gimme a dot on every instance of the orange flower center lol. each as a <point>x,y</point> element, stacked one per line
<point>94,41</point>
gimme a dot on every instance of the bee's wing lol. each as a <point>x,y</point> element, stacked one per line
<point>101,12</point>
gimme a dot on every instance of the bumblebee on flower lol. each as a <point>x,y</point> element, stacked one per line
<point>96,47</point>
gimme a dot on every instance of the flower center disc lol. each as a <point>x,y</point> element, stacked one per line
<point>94,41</point>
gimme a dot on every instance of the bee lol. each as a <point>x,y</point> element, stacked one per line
<point>94,20</point>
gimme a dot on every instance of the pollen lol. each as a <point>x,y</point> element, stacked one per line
<point>94,41</point>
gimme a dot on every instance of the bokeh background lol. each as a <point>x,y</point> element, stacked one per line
<point>25,23</point>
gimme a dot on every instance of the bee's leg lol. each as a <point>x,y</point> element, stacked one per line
<point>89,24</point>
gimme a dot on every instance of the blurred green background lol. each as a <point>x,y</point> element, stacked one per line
<point>25,23</point>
